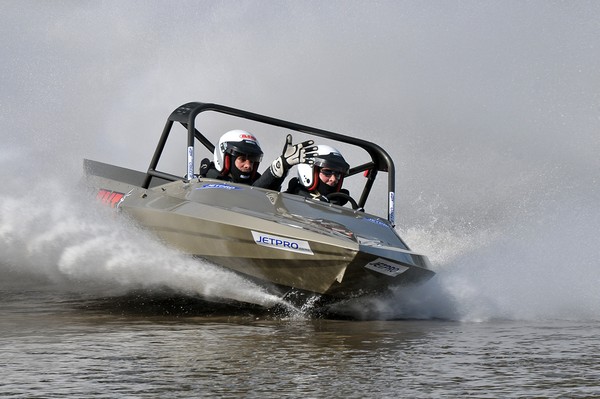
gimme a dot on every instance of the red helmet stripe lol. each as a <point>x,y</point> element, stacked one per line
<point>227,165</point>
<point>316,179</point>
<point>254,170</point>
<point>339,185</point>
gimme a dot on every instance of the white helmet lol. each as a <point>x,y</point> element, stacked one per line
<point>327,157</point>
<point>234,143</point>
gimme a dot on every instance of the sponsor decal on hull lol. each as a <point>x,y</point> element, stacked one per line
<point>383,266</point>
<point>282,243</point>
<point>110,198</point>
<point>219,186</point>
<point>376,221</point>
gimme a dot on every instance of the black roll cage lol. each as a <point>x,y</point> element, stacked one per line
<point>186,115</point>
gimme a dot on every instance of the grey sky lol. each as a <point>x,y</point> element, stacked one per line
<point>478,102</point>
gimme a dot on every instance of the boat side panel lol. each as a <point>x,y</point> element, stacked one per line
<point>226,238</point>
<point>333,270</point>
<point>234,247</point>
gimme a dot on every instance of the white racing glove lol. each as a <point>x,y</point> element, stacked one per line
<point>293,154</point>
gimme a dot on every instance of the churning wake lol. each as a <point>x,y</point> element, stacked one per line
<point>53,232</point>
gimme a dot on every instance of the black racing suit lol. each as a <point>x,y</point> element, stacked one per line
<point>266,180</point>
<point>294,187</point>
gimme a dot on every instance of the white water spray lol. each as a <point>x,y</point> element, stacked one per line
<point>54,232</point>
<point>540,266</point>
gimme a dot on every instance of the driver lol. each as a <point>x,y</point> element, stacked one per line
<point>323,177</point>
<point>238,154</point>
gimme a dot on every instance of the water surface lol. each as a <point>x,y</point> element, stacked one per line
<point>56,344</point>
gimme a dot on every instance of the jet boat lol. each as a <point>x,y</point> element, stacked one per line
<point>286,243</point>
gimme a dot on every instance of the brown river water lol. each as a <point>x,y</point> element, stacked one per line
<point>59,344</point>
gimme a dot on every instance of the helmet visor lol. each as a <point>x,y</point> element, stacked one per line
<point>247,148</point>
<point>330,172</point>
<point>333,162</point>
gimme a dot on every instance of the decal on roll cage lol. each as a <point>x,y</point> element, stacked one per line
<point>282,243</point>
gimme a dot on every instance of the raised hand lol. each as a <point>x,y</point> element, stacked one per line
<point>293,154</point>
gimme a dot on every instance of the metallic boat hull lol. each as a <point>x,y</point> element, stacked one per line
<point>282,241</point>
